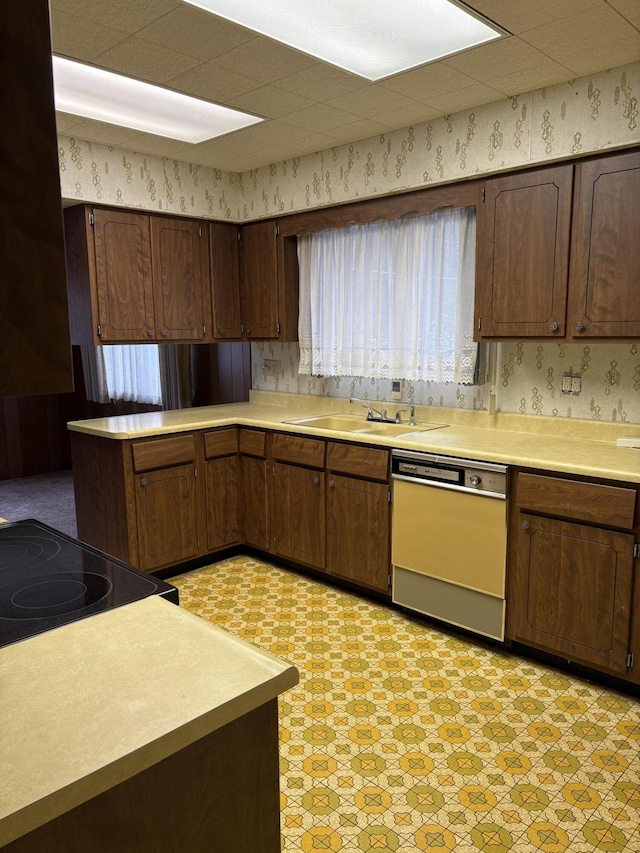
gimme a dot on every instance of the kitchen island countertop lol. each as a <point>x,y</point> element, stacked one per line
<point>556,444</point>
<point>91,704</point>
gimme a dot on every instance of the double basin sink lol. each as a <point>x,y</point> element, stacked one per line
<point>360,426</point>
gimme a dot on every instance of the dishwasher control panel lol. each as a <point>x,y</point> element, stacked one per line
<point>448,471</point>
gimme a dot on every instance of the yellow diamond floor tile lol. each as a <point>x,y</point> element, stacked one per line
<point>401,737</point>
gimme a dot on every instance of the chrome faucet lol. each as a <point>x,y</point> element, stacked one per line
<point>370,409</point>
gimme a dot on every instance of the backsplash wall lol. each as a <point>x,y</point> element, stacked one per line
<point>528,381</point>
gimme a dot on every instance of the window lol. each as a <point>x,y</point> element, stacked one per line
<point>133,373</point>
<point>390,300</point>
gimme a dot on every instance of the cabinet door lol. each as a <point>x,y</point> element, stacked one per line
<point>123,275</point>
<point>299,514</point>
<point>523,255</point>
<point>358,531</point>
<point>260,287</point>
<point>255,501</point>
<point>605,261</point>
<point>224,253</point>
<point>166,508</point>
<point>571,591</point>
<point>179,252</point>
<point>221,496</point>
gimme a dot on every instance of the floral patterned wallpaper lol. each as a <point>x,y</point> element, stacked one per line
<point>594,113</point>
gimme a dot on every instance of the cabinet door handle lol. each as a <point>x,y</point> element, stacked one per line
<point>332,483</point>
<point>220,330</point>
<point>143,481</point>
<point>553,327</point>
<point>579,327</point>
<point>248,331</point>
<point>316,480</point>
<point>164,333</point>
<point>524,525</point>
<point>150,332</point>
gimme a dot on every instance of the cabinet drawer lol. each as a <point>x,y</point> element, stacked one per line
<point>360,461</point>
<point>253,443</point>
<point>222,442</point>
<point>163,453</point>
<point>299,450</point>
<point>611,506</point>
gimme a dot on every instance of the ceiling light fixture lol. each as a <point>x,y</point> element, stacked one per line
<point>370,38</point>
<point>85,90</point>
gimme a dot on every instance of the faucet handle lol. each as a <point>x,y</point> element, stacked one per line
<point>398,418</point>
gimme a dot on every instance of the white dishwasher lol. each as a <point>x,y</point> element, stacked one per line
<point>449,539</point>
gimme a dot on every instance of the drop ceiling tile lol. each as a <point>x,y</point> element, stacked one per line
<point>94,131</point>
<point>270,101</point>
<point>362,129</point>
<point>210,81</point>
<point>264,60</point>
<point>65,123</point>
<point>382,105</point>
<point>137,58</point>
<point>597,39</point>
<point>80,39</point>
<point>518,17</point>
<point>320,117</point>
<point>511,66</point>
<point>422,84</point>
<point>463,99</point>
<point>320,82</point>
<point>629,9</point>
<point>122,15</point>
<point>193,32</point>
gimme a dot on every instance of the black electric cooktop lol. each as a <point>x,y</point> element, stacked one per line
<point>48,579</point>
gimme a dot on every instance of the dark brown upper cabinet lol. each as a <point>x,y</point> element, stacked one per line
<point>557,252</point>
<point>522,266</point>
<point>134,277</point>
<point>604,291</point>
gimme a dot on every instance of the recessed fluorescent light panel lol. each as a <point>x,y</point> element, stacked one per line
<point>85,90</point>
<point>371,38</point>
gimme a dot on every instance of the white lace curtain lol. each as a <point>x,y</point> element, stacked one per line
<point>390,300</point>
<point>126,372</point>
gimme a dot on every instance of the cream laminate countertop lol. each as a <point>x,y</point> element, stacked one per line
<point>88,705</point>
<point>553,444</point>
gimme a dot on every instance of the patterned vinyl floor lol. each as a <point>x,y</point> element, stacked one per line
<point>400,737</point>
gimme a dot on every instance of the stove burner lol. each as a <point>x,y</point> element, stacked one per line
<point>22,552</point>
<point>37,598</point>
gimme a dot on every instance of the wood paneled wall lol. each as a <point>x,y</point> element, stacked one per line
<point>33,430</point>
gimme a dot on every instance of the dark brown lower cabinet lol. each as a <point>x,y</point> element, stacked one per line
<point>571,592</point>
<point>299,514</point>
<point>166,511</point>
<point>221,501</point>
<point>358,531</point>
<point>254,488</point>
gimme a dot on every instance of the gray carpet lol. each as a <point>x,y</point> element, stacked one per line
<point>47,497</point>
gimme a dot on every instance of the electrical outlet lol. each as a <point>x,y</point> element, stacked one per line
<point>271,367</point>
<point>571,383</point>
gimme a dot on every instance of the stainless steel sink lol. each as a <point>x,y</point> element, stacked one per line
<point>346,422</point>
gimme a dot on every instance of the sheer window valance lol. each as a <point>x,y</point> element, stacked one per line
<point>390,300</point>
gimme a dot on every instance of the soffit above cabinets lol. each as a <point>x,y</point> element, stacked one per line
<point>309,105</point>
